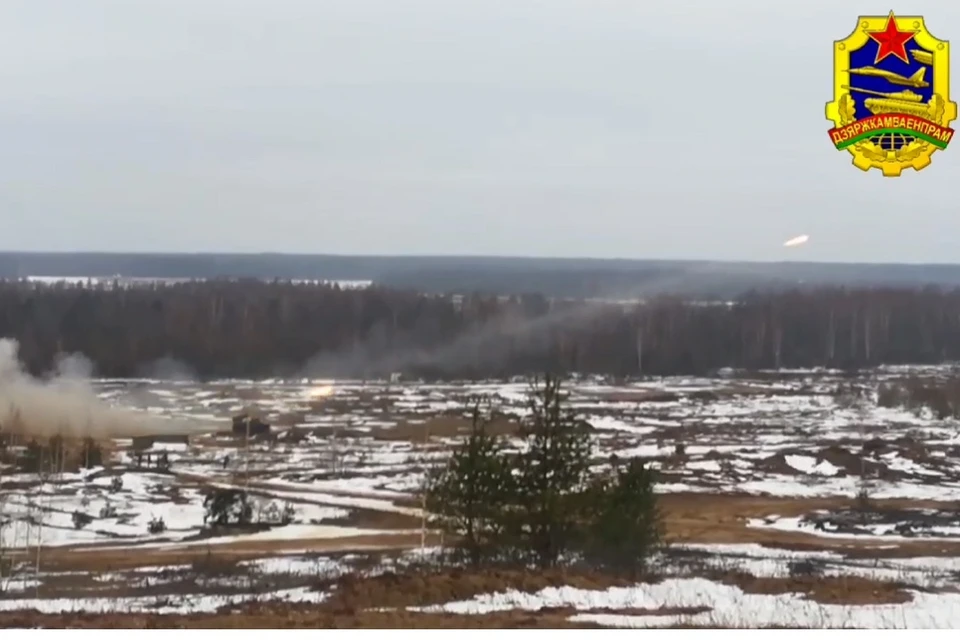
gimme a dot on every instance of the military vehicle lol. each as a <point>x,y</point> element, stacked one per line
<point>905,101</point>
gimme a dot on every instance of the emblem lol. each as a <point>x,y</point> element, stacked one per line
<point>891,108</point>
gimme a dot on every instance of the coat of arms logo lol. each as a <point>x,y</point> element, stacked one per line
<point>891,108</point>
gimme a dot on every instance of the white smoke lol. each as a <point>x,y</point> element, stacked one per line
<point>66,403</point>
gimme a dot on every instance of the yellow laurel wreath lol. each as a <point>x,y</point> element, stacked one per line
<point>937,107</point>
<point>911,151</point>
<point>848,109</point>
<point>848,114</point>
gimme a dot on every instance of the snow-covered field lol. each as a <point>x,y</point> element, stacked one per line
<point>350,454</point>
<point>783,437</point>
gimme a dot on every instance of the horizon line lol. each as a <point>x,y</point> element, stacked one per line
<point>469,256</point>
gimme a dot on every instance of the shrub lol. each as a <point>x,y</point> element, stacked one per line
<point>226,507</point>
<point>625,527</point>
<point>81,519</point>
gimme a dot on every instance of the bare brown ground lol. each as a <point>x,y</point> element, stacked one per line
<point>370,519</point>
<point>690,518</point>
<point>397,591</point>
<point>363,518</point>
<point>232,392</point>
<point>296,617</point>
<point>105,558</point>
<point>852,590</point>
<point>290,419</point>
<point>416,589</point>
<point>712,518</point>
<point>442,427</point>
<point>292,617</point>
<point>380,602</point>
<point>639,395</point>
<point>658,395</point>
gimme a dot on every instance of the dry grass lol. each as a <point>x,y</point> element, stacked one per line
<point>381,601</point>
<point>443,427</point>
<point>712,518</point>
<point>280,616</point>
<point>371,519</point>
<point>290,419</point>
<point>131,557</point>
<point>689,518</point>
<point>850,590</point>
<point>391,590</point>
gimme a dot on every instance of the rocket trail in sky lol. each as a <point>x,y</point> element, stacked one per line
<point>796,242</point>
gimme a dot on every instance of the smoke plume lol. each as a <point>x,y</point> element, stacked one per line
<point>169,369</point>
<point>66,404</point>
<point>491,343</point>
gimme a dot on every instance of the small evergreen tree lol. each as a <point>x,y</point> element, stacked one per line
<point>552,477</point>
<point>625,525</point>
<point>467,495</point>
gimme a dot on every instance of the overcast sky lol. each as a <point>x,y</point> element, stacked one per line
<point>601,128</point>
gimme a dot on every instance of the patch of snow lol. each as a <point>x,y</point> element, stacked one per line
<point>294,565</point>
<point>808,464</point>
<point>877,531</point>
<point>704,465</point>
<point>729,607</point>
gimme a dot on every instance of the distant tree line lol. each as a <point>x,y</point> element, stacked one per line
<point>254,328</point>
<point>554,277</point>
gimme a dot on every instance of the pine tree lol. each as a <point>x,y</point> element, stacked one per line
<point>552,476</point>
<point>467,495</point>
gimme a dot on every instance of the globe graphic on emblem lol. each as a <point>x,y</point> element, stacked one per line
<point>892,141</point>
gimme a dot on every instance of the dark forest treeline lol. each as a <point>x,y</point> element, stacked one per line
<point>554,277</point>
<point>252,328</point>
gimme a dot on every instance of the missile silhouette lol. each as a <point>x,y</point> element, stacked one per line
<point>923,57</point>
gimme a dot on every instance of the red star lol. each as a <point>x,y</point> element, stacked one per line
<point>891,41</point>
